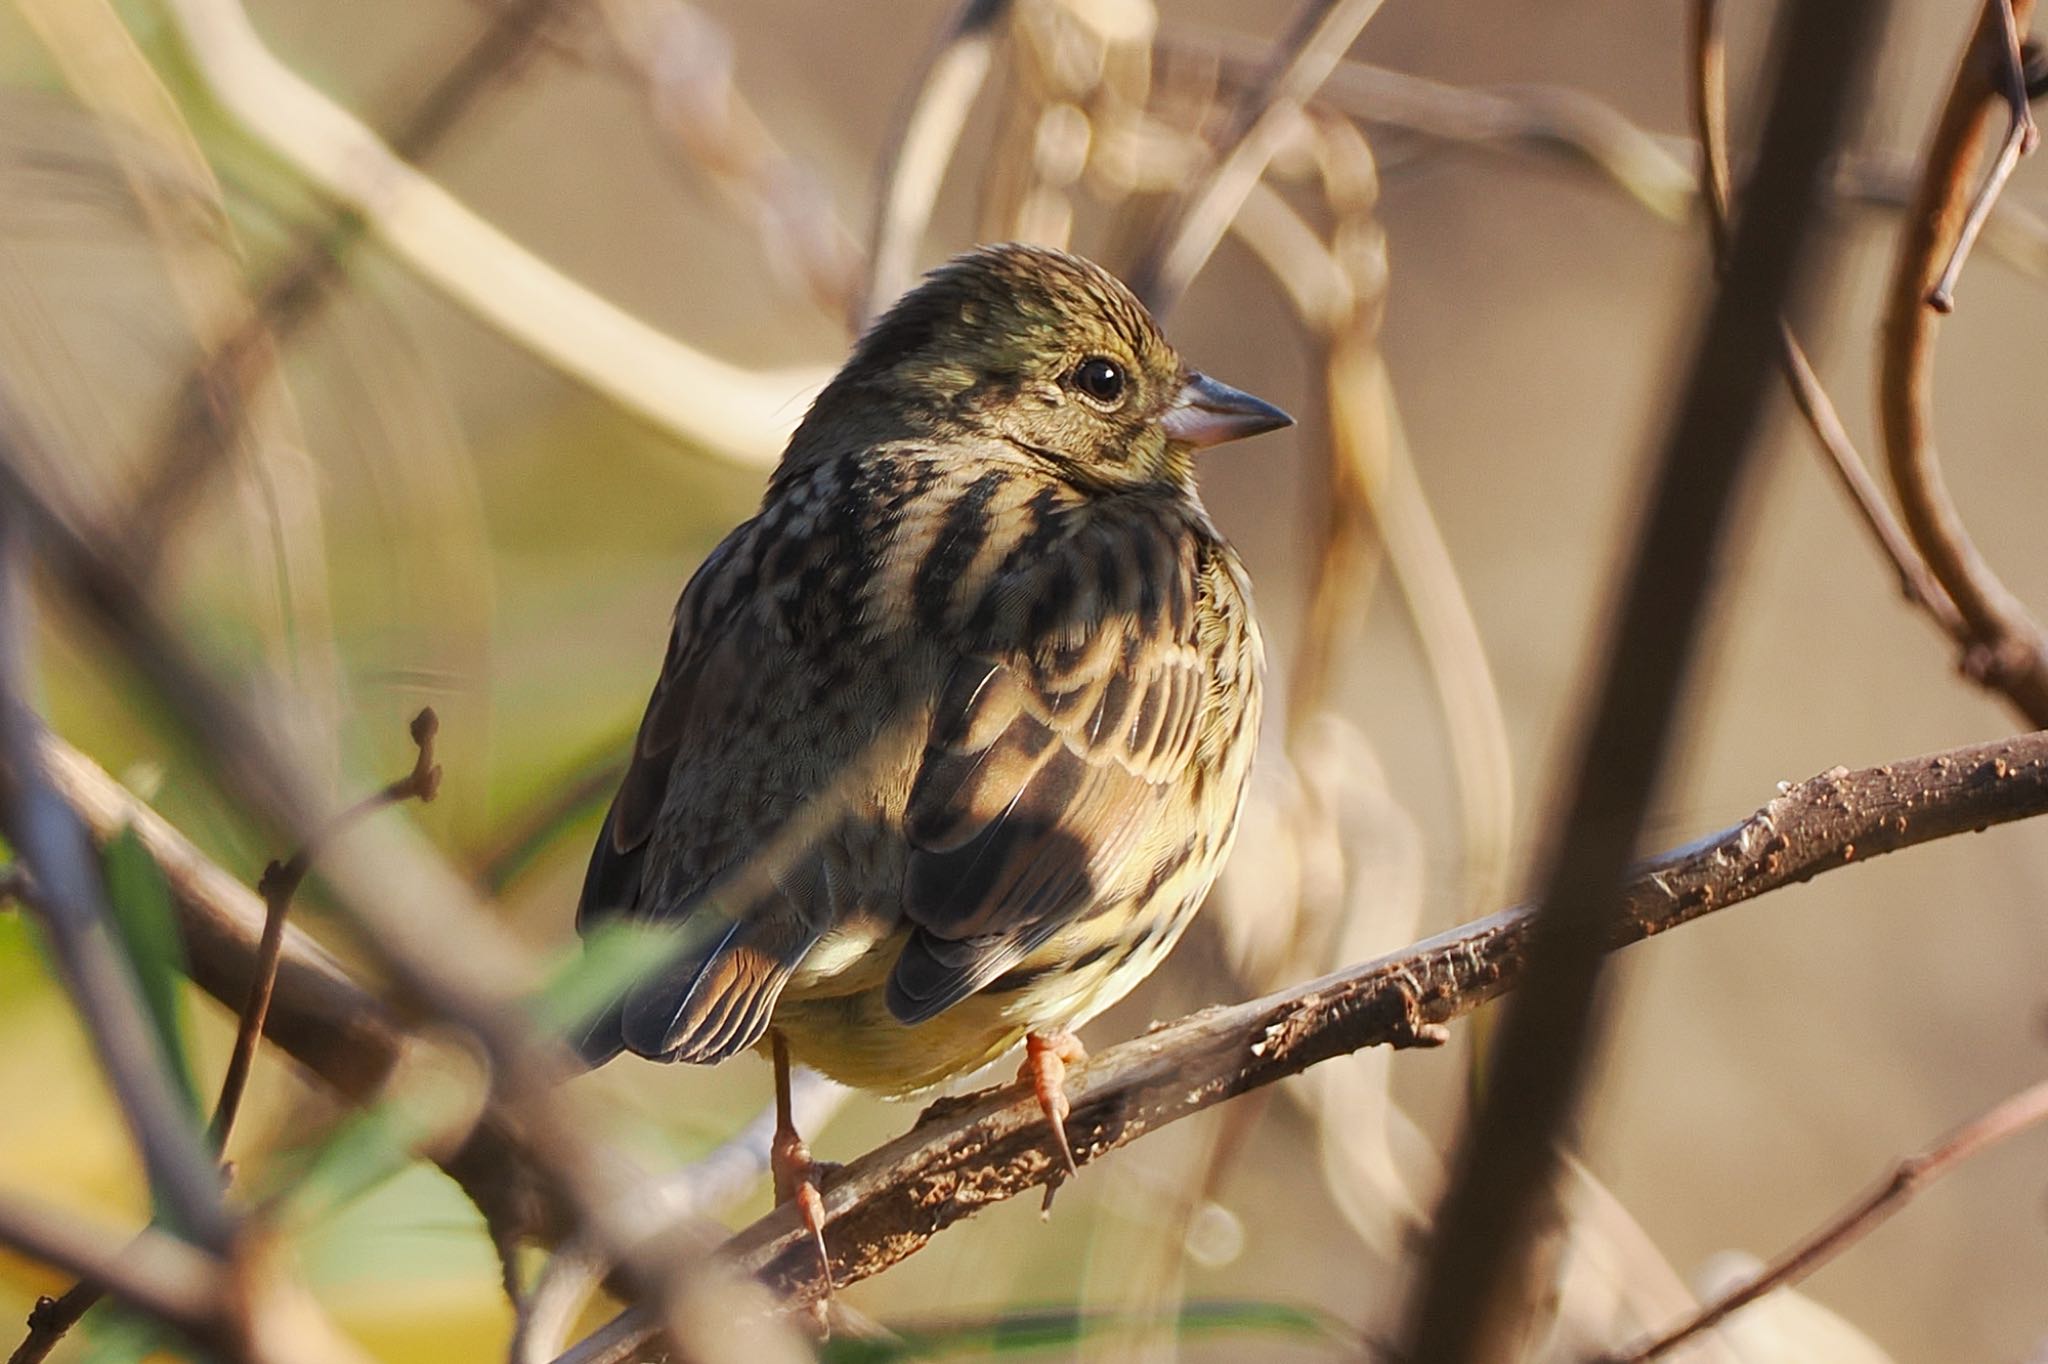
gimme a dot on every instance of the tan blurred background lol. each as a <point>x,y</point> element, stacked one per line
<point>498,541</point>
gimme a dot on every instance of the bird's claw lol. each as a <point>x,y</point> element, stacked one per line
<point>1046,1058</point>
<point>796,1181</point>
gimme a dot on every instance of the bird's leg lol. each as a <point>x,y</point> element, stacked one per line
<point>789,1160</point>
<point>1046,1058</point>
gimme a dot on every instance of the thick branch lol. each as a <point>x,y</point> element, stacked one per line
<point>965,1154</point>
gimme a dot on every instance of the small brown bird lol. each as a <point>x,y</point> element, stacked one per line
<point>952,736</point>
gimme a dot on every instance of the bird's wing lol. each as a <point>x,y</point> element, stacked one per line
<point>708,782</point>
<point>1048,762</point>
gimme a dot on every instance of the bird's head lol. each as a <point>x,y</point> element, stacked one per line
<point>1052,354</point>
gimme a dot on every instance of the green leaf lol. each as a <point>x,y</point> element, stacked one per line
<point>361,1153</point>
<point>148,930</point>
<point>115,1335</point>
<point>1037,1330</point>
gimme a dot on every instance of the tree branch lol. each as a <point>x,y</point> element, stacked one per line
<point>967,1153</point>
<point>733,414</point>
<point>1710,122</point>
<point>155,1272</point>
<point>2008,1119</point>
<point>2005,649</point>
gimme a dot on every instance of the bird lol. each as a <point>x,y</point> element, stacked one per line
<point>952,737</point>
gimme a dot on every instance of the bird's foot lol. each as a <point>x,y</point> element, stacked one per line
<point>1046,1058</point>
<point>796,1181</point>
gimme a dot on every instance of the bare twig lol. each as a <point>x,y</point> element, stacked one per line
<point>69,900</point>
<point>2026,1109</point>
<point>1709,91</point>
<point>920,147</point>
<point>1710,122</point>
<point>967,1153</point>
<point>54,1317</point>
<point>279,883</point>
<point>2020,138</point>
<point>2005,649</point>
<point>1579,130</point>
<point>1547,121</point>
<point>1322,34</point>
<point>1475,1288</point>
<point>319,1016</point>
<point>155,1272</point>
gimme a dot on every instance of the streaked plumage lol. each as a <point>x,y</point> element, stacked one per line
<point>952,736</point>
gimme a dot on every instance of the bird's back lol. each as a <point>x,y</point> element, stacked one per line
<point>938,736</point>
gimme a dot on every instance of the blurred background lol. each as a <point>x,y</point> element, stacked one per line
<point>1471,273</point>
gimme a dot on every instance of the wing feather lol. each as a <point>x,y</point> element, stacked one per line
<point>702,792</point>
<point>1047,764</point>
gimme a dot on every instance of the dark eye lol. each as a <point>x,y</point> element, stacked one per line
<point>1101,379</point>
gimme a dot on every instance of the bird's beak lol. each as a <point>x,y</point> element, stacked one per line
<point>1208,413</point>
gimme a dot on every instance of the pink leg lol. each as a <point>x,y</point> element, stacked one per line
<point>1046,1058</point>
<point>789,1160</point>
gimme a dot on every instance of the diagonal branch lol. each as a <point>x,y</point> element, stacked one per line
<point>968,1153</point>
<point>2009,1118</point>
<point>209,409</point>
<point>973,1152</point>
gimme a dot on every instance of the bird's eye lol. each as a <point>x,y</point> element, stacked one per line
<point>1101,379</point>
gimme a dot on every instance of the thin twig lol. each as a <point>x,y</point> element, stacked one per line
<point>279,883</point>
<point>2005,648</point>
<point>156,1272</point>
<point>1913,1174</point>
<point>1322,34</point>
<point>54,1317</point>
<point>967,1153</point>
<point>1474,1292</point>
<point>1710,123</point>
<point>2021,136</point>
<point>920,146</point>
<point>1560,124</point>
